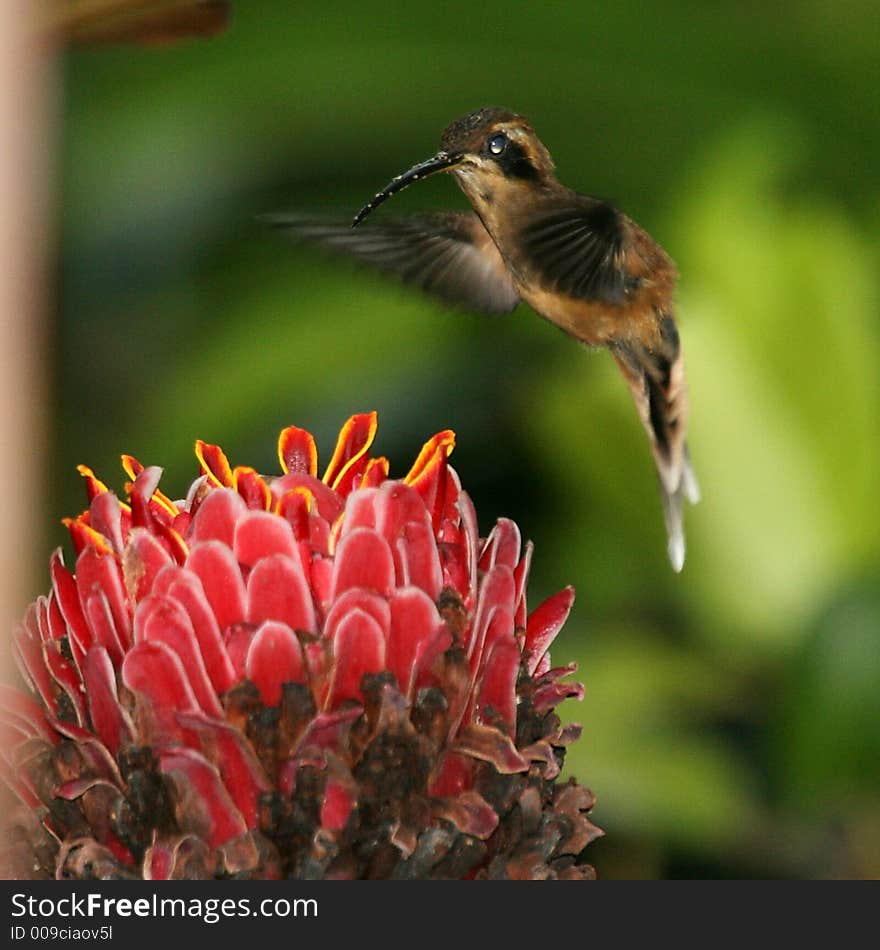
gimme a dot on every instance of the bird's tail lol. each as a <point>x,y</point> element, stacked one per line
<point>673,504</point>
<point>656,380</point>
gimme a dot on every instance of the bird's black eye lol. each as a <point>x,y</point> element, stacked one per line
<point>497,143</point>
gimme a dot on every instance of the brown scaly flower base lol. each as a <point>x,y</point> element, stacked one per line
<point>541,833</point>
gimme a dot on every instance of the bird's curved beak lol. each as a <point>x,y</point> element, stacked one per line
<point>440,162</point>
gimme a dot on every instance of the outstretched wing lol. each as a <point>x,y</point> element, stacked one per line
<point>656,379</point>
<point>577,248</point>
<point>449,255</point>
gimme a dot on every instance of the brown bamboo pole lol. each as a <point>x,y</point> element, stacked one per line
<point>25,95</point>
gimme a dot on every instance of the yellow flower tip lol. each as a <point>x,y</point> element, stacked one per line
<point>131,466</point>
<point>252,487</point>
<point>83,535</point>
<point>308,495</point>
<point>376,472</point>
<point>94,484</point>
<point>435,450</point>
<point>355,438</point>
<point>297,451</point>
<point>214,463</point>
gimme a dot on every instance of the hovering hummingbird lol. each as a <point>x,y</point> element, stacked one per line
<point>576,260</point>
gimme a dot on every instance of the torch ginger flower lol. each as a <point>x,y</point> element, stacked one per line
<point>292,676</point>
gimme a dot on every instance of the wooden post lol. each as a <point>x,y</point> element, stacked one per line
<point>25,163</point>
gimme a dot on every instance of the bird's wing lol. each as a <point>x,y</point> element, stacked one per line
<point>656,379</point>
<point>577,248</point>
<point>449,255</point>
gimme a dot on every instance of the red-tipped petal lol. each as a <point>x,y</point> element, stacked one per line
<point>363,559</point>
<point>500,628</point>
<point>259,534</point>
<point>357,599</point>
<point>110,722</point>
<point>156,672</point>
<point>497,590</point>
<point>496,687</point>
<point>360,509</point>
<point>32,665</point>
<point>144,557</point>
<point>277,589</point>
<point>321,582</point>
<point>459,561</point>
<point>359,648</point>
<point>217,569</point>
<point>520,578</point>
<point>181,522</point>
<point>297,451</point>
<point>237,640</point>
<point>96,571</point>
<point>217,516</point>
<point>186,588</point>
<point>106,516</point>
<point>544,623</point>
<point>164,620</point>
<point>57,626</point>
<point>67,677</point>
<point>204,806</point>
<point>274,658</point>
<point>502,545</point>
<point>414,624</point>
<point>417,560</point>
<point>104,632</point>
<point>403,520</point>
<point>239,768</point>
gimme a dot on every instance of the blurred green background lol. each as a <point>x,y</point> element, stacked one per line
<point>732,716</point>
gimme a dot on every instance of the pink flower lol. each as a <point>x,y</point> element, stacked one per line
<point>292,676</point>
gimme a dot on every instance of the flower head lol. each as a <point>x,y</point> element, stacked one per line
<point>292,676</point>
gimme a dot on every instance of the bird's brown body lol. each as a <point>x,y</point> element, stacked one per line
<point>576,260</point>
<point>596,322</point>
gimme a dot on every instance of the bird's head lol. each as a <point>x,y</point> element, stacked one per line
<point>488,150</point>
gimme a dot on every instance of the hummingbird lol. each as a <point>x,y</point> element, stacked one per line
<point>576,260</point>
